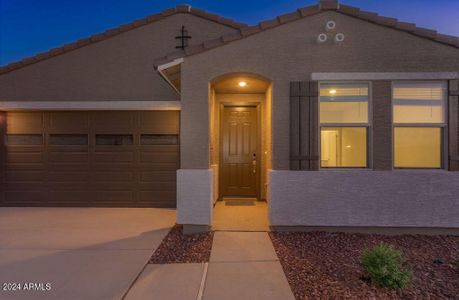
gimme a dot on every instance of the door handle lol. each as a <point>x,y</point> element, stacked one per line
<point>254,163</point>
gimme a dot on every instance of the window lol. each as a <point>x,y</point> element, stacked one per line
<point>24,139</point>
<point>114,139</point>
<point>419,110</point>
<point>159,139</point>
<point>344,125</point>
<point>344,103</point>
<point>68,139</point>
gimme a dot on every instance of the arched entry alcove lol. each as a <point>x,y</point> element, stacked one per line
<point>240,135</point>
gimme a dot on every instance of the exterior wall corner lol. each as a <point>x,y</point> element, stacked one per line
<point>194,196</point>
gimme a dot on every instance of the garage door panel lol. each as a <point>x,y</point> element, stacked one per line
<point>25,186</point>
<point>160,122</point>
<point>161,148</point>
<point>156,204</point>
<point>26,197</point>
<point>65,149</point>
<point>157,196</point>
<point>68,122</point>
<point>20,176</point>
<point>24,122</point>
<point>115,185</point>
<point>113,167</point>
<point>24,157</point>
<point>117,158</point>
<point>12,167</point>
<point>157,186</point>
<point>81,157</point>
<point>68,185</point>
<point>58,166</point>
<point>24,149</point>
<point>159,166</point>
<point>114,196</point>
<point>68,176</point>
<point>114,156</point>
<point>114,176</point>
<point>69,196</point>
<point>158,176</point>
<point>158,157</point>
<point>114,122</point>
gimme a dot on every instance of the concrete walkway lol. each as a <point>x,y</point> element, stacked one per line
<point>168,282</point>
<point>243,266</point>
<point>83,253</point>
<point>240,218</point>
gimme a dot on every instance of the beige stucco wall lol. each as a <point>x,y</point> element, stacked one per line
<point>414,198</point>
<point>291,53</point>
<point>118,68</point>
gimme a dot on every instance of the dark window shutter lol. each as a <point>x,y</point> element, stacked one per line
<point>304,125</point>
<point>382,125</point>
<point>294,125</point>
<point>453,125</point>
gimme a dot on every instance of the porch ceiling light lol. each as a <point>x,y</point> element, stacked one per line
<point>242,83</point>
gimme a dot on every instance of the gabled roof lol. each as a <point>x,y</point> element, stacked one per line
<point>180,9</point>
<point>324,5</point>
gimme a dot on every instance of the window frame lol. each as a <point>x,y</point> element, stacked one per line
<point>443,126</point>
<point>368,125</point>
<point>50,135</point>
<point>176,136</point>
<point>7,144</point>
<point>133,139</point>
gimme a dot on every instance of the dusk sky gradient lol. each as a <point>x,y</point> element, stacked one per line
<point>28,27</point>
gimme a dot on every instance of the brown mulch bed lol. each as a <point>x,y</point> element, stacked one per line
<point>321,265</point>
<point>179,248</point>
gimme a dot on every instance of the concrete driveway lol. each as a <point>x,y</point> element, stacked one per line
<point>77,253</point>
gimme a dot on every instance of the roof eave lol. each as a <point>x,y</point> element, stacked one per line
<point>324,5</point>
<point>180,9</point>
<point>162,71</point>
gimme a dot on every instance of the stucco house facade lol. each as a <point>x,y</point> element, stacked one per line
<point>337,117</point>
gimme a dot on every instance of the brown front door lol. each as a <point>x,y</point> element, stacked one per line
<point>239,152</point>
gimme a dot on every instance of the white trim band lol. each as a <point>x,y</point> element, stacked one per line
<point>90,105</point>
<point>386,76</point>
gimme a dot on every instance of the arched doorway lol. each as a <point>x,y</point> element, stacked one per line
<point>240,128</point>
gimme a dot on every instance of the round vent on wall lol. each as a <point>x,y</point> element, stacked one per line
<point>330,25</point>
<point>321,38</point>
<point>339,38</point>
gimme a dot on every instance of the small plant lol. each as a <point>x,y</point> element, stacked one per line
<point>456,263</point>
<point>384,265</point>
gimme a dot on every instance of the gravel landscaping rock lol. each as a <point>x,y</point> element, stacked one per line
<point>321,265</point>
<point>179,248</point>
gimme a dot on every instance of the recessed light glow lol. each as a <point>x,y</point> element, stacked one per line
<point>332,92</point>
<point>242,83</point>
<point>348,146</point>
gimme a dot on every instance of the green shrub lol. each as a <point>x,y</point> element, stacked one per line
<point>384,265</point>
<point>456,263</point>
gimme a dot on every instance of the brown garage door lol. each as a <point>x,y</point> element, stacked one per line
<point>108,158</point>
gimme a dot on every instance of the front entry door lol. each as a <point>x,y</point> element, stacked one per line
<point>239,157</point>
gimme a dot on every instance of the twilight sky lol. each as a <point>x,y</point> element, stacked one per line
<point>28,27</point>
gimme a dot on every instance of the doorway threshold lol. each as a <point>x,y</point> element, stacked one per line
<point>240,201</point>
<point>240,215</point>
